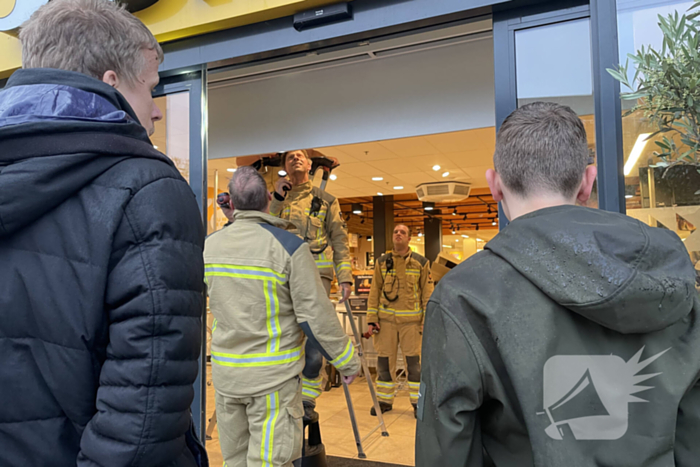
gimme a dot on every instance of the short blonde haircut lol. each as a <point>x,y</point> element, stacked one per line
<point>89,37</point>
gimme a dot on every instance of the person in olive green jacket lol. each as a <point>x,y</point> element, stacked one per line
<point>399,294</point>
<point>266,296</point>
<point>573,339</point>
<point>325,232</point>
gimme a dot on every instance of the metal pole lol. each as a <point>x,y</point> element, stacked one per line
<point>365,368</point>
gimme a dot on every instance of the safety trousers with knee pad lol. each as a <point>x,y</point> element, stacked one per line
<point>386,342</point>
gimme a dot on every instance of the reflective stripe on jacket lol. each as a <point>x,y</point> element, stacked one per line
<point>326,228</point>
<point>266,294</point>
<point>400,294</point>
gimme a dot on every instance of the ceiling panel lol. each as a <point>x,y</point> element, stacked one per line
<point>367,151</point>
<point>410,147</point>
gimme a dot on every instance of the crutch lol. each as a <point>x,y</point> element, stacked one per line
<point>365,368</point>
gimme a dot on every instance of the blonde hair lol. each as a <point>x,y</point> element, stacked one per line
<point>89,37</point>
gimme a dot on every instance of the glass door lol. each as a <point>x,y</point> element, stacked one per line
<point>182,136</point>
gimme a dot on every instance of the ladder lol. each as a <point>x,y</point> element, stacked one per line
<point>365,369</point>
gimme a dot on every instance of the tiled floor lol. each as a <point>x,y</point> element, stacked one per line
<point>336,429</point>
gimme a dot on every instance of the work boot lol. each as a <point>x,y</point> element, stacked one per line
<point>310,414</point>
<point>415,410</point>
<point>383,406</point>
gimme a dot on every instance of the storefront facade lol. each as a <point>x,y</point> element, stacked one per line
<point>556,50</point>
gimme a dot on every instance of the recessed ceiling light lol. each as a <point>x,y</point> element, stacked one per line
<point>334,177</point>
<point>420,234</point>
<point>465,236</point>
<point>230,170</point>
<point>380,194</point>
<point>436,167</point>
<point>456,240</point>
<point>398,188</point>
<point>282,173</point>
<point>445,174</point>
<point>377,179</point>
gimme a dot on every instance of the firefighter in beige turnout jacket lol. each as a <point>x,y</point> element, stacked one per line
<point>265,295</point>
<point>325,232</point>
<point>399,294</point>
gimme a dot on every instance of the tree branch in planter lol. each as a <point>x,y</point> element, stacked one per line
<point>666,86</point>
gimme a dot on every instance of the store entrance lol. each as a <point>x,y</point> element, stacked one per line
<point>392,173</point>
<point>410,122</point>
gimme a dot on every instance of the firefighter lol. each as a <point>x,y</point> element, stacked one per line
<point>265,295</point>
<point>398,296</point>
<point>318,220</point>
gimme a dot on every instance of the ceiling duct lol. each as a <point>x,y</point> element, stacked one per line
<point>443,192</point>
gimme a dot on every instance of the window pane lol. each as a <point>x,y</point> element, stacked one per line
<point>553,64</point>
<point>172,135</point>
<point>661,198</point>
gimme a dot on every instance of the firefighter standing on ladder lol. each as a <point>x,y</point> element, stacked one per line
<point>399,294</point>
<point>318,219</point>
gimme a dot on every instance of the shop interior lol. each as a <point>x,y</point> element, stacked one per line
<point>396,114</point>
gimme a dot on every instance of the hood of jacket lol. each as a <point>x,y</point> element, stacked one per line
<point>59,130</point>
<point>606,267</point>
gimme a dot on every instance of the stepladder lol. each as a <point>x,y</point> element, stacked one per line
<point>359,440</point>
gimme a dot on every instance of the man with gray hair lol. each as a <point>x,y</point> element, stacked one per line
<point>101,291</point>
<point>266,295</point>
<point>573,338</point>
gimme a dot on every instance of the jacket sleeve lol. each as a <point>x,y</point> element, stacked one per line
<point>448,429</point>
<point>276,206</point>
<point>154,302</point>
<point>338,238</point>
<point>315,313</point>
<point>687,448</point>
<point>375,292</point>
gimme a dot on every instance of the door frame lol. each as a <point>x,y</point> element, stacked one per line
<point>194,82</point>
<point>606,90</point>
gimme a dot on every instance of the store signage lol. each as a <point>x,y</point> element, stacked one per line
<point>15,12</point>
<point>363,284</point>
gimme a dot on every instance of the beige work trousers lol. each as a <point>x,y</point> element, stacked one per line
<point>263,431</point>
<point>391,335</point>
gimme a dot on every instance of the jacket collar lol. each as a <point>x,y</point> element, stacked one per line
<point>404,257</point>
<point>258,217</point>
<point>302,190</point>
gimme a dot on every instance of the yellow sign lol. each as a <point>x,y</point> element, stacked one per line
<point>169,20</point>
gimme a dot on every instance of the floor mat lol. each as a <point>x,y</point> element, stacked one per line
<point>345,462</point>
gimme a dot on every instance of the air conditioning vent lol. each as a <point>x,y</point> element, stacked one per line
<point>443,192</point>
<point>440,189</point>
<point>462,190</point>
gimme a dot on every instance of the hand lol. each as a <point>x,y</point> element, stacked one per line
<point>349,379</point>
<point>372,326</point>
<point>280,185</point>
<point>228,212</point>
<point>346,291</point>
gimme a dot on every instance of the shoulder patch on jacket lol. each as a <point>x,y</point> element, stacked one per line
<point>421,259</point>
<point>289,241</point>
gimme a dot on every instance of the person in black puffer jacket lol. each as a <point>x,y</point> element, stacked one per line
<point>101,280</point>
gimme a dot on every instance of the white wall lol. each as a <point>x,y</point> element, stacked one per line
<point>430,91</point>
